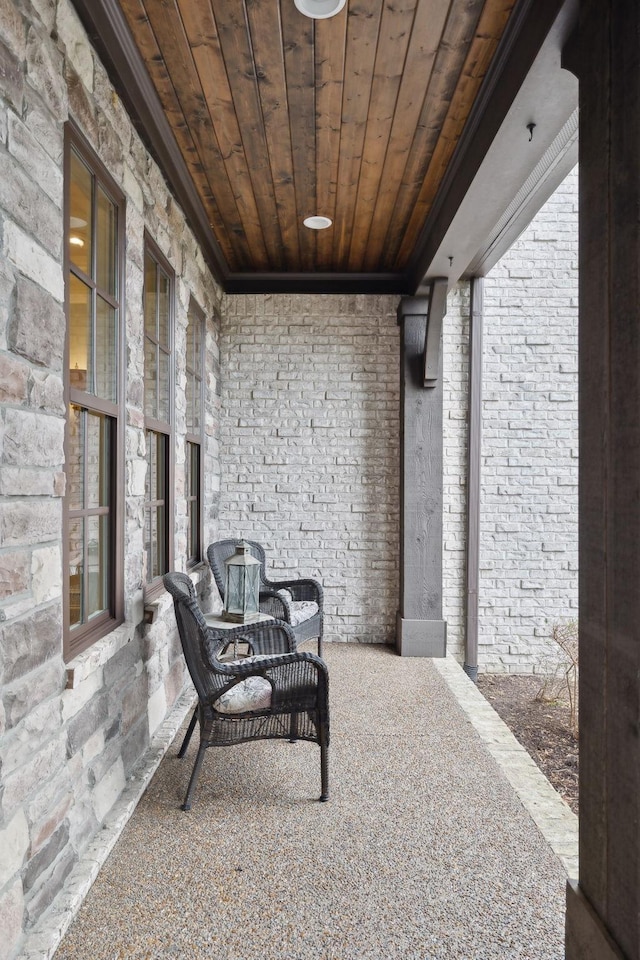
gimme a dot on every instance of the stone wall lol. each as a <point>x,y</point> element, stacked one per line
<point>67,752</point>
<point>310,447</point>
<point>529,538</point>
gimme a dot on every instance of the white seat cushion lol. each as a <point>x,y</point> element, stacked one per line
<point>253,693</point>
<point>301,610</point>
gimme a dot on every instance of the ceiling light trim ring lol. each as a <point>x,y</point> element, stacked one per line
<point>317,222</point>
<point>319,9</point>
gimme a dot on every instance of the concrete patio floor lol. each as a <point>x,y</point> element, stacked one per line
<point>441,840</point>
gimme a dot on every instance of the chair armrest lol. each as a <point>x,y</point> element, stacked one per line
<point>250,667</point>
<point>299,683</point>
<point>271,637</point>
<point>295,679</point>
<point>275,605</point>
<point>303,588</point>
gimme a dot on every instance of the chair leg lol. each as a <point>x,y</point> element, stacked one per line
<point>187,736</point>
<point>324,769</point>
<point>293,728</point>
<point>194,776</point>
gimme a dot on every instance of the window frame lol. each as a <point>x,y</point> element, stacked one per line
<point>76,639</point>
<point>154,588</point>
<point>195,315</point>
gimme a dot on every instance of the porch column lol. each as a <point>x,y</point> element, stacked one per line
<point>603,910</point>
<point>421,631</point>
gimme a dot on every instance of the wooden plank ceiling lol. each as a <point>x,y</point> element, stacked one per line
<point>279,117</point>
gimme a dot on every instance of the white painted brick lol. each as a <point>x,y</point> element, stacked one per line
<point>530,440</point>
<point>529,444</point>
<point>318,447</point>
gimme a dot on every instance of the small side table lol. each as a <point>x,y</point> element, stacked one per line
<point>216,621</point>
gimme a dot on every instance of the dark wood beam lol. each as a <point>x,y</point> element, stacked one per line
<point>109,33</point>
<point>327,283</point>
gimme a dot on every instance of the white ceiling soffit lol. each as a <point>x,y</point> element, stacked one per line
<point>558,161</point>
<point>518,174</point>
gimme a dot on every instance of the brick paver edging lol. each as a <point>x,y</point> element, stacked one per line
<point>551,814</point>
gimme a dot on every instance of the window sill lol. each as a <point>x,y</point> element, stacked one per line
<point>99,653</point>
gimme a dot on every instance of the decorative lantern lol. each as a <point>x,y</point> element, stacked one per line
<point>241,586</point>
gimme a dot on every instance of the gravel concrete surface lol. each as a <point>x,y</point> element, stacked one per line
<point>423,852</point>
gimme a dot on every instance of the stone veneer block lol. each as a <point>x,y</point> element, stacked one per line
<point>11,916</point>
<point>12,77</point>
<point>29,642</point>
<point>20,248</point>
<point>36,330</point>
<point>14,843</point>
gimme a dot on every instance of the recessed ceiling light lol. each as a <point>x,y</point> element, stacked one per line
<point>319,9</point>
<point>317,223</point>
<point>76,241</point>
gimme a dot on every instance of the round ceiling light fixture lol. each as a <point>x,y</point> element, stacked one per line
<point>317,223</point>
<point>319,9</point>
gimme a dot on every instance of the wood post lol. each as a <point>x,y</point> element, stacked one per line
<point>421,631</point>
<point>603,911</point>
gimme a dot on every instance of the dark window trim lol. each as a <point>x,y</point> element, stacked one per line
<point>78,640</point>
<point>194,560</point>
<point>154,588</point>
<point>196,311</point>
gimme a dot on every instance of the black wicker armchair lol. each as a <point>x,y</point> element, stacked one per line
<point>297,602</point>
<point>274,693</point>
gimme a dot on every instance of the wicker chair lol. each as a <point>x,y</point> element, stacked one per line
<point>275,693</point>
<point>297,602</point>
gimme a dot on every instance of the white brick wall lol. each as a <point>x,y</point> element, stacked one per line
<point>529,538</point>
<point>309,440</point>
<point>309,447</point>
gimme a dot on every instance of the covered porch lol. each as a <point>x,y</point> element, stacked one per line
<point>441,840</point>
<point>98,143</point>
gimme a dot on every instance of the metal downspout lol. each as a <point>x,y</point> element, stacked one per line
<point>474,461</point>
